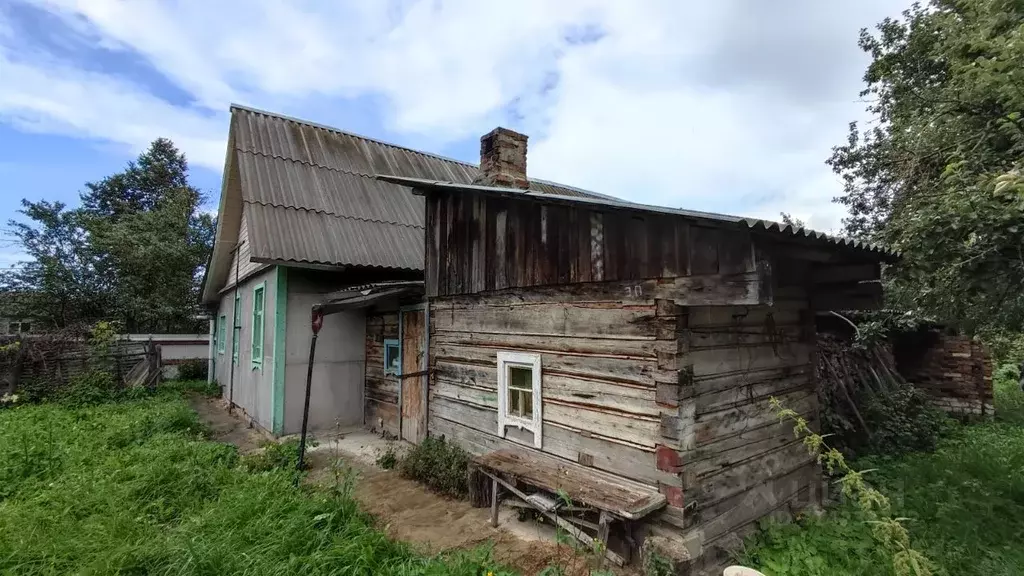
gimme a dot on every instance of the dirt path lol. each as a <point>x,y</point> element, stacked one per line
<point>406,511</point>
<point>227,428</point>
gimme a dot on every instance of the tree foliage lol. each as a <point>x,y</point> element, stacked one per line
<point>132,253</point>
<point>937,175</point>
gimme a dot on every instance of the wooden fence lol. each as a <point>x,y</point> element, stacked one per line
<point>49,362</point>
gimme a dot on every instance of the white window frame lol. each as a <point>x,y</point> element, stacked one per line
<point>534,425</point>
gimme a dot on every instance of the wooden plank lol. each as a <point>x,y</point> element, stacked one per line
<point>622,497</point>
<point>592,319</point>
<point>735,421</point>
<point>744,316</point>
<point>631,349</point>
<point>749,393</point>
<point>723,360</point>
<point>704,250</point>
<point>637,430</point>
<point>735,253</point>
<point>501,255</point>
<point>466,363</point>
<point>476,429</point>
<point>597,246</point>
<point>725,381</point>
<point>747,507</point>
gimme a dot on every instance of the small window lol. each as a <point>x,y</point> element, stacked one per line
<point>257,325</point>
<point>221,335</point>
<point>392,357</point>
<point>519,400</point>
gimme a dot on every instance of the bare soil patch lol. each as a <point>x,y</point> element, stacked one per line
<point>225,427</point>
<point>406,510</point>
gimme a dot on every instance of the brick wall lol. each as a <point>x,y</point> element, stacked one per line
<point>955,370</point>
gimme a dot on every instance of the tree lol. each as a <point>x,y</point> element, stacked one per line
<point>59,284</point>
<point>937,175</point>
<point>133,252</point>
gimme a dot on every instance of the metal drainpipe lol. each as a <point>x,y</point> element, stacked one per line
<point>234,334</point>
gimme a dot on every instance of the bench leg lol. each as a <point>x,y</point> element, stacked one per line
<point>494,503</point>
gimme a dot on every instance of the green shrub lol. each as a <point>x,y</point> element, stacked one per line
<point>90,388</point>
<point>193,370</point>
<point>1009,399</point>
<point>439,464</point>
<point>903,420</point>
<point>388,458</point>
<point>201,387</point>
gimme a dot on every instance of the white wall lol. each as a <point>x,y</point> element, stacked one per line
<point>336,397</point>
<point>253,388</point>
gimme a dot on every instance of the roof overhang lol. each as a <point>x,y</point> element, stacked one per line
<point>366,295</point>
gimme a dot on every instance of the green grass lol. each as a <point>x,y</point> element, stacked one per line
<point>964,502</point>
<point>133,487</point>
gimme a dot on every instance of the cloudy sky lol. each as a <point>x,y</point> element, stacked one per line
<point>726,106</point>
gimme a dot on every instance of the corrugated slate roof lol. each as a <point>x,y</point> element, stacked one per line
<point>786,231</point>
<point>310,195</point>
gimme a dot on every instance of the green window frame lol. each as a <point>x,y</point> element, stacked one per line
<point>259,294</point>
<point>236,330</point>
<point>221,334</point>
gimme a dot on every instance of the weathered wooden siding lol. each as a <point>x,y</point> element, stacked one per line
<point>477,243</point>
<point>601,362</point>
<point>381,390</point>
<point>241,260</point>
<point>743,464</point>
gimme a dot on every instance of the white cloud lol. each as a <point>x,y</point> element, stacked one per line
<point>727,106</point>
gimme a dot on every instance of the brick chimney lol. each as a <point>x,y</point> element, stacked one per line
<point>503,159</point>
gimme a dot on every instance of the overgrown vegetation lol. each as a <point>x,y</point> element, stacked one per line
<point>193,370</point>
<point>273,456</point>
<point>439,464</point>
<point>388,458</point>
<point>963,506</point>
<point>132,487</point>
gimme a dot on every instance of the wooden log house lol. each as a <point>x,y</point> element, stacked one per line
<point>639,342</point>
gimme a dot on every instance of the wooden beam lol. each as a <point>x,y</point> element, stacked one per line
<point>860,296</point>
<point>845,273</point>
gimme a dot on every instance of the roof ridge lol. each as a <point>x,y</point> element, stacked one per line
<point>287,118</point>
<point>347,133</point>
<point>334,214</point>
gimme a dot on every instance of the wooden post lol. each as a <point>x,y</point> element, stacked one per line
<point>494,503</point>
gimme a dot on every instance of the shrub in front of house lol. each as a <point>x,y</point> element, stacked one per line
<point>438,463</point>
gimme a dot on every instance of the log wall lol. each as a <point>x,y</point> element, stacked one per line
<point>744,464</point>
<point>381,391</point>
<point>601,364</point>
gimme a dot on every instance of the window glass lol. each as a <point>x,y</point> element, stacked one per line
<point>520,391</point>
<point>392,357</point>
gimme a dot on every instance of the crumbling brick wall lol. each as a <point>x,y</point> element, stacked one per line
<point>955,370</point>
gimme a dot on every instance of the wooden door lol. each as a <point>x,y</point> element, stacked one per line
<point>414,358</point>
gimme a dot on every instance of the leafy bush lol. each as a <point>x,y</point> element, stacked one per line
<point>439,464</point>
<point>193,370</point>
<point>1009,399</point>
<point>90,388</point>
<point>388,458</point>
<point>903,420</point>
<point>202,387</point>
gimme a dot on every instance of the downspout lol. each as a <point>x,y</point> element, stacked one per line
<point>212,350</point>
<point>236,331</point>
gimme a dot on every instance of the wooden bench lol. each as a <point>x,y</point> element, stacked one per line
<point>573,488</point>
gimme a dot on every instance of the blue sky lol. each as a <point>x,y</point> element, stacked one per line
<point>729,106</point>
